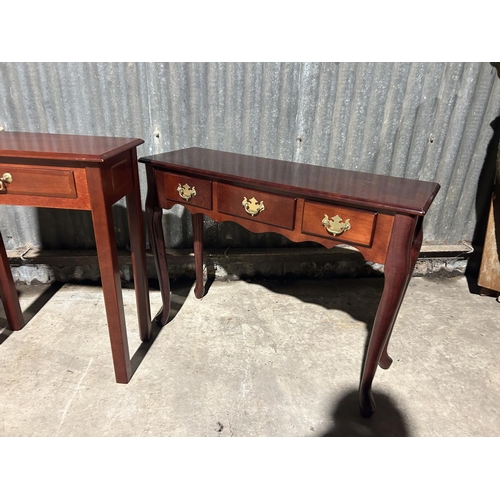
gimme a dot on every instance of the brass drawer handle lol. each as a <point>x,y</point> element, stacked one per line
<point>335,225</point>
<point>252,206</point>
<point>5,179</point>
<point>186,192</point>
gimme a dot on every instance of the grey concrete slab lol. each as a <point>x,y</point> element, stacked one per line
<point>267,358</point>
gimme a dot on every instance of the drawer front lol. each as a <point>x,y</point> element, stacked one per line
<point>257,206</point>
<point>339,223</point>
<point>188,190</point>
<point>38,181</point>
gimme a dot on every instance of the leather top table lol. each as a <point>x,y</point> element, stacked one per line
<point>81,173</point>
<point>379,215</point>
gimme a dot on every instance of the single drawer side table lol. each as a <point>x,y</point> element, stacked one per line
<point>381,216</point>
<point>81,173</point>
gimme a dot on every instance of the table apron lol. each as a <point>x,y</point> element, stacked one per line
<point>375,250</point>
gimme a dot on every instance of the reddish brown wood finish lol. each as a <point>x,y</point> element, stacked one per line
<point>397,273</point>
<point>202,198</point>
<point>385,213</point>
<point>102,217</point>
<point>362,223</point>
<point>91,173</point>
<point>137,249</point>
<point>278,210</point>
<point>42,195</point>
<point>64,147</point>
<point>157,242</point>
<point>385,360</point>
<point>50,182</point>
<point>381,192</point>
<point>8,292</point>
<point>197,220</point>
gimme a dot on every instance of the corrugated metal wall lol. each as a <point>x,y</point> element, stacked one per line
<point>430,121</point>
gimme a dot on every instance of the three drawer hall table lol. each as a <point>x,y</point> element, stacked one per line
<point>379,215</point>
<point>81,173</point>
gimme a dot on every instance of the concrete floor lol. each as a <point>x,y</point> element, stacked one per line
<point>268,358</point>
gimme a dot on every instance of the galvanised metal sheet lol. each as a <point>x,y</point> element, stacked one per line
<point>429,121</point>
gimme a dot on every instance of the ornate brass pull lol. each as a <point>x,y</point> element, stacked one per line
<point>252,206</point>
<point>5,179</point>
<point>186,192</point>
<point>335,225</point>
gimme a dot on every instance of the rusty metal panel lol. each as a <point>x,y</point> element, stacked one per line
<point>429,121</point>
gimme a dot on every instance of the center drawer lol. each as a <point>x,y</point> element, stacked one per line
<point>257,206</point>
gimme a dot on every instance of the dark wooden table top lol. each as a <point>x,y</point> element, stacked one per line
<point>380,192</point>
<point>63,146</point>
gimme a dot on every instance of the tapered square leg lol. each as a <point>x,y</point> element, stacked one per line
<point>138,252</point>
<point>8,292</point>
<point>107,253</point>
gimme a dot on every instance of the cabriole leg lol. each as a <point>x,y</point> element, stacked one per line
<point>155,230</point>
<point>397,271</point>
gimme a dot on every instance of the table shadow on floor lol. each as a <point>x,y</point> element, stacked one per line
<point>387,421</point>
<point>28,313</point>
<point>358,297</point>
<point>179,293</point>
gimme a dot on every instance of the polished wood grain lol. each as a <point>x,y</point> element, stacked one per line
<point>197,220</point>
<point>137,236</point>
<point>202,198</point>
<point>90,173</point>
<point>375,252</point>
<point>102,218</point>
<point>64,147</point>
<point>362,222</point>
<point>385,360</point>
<point>278,210</point>
<point>8,293</point>
<point>397,273</point>
<point>333,184</point>
<point>385,213</point>
<point>29,181</point>
<point>69,191</point>
<point>157,241</point>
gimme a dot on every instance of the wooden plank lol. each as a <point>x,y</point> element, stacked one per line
<point>489,272</point>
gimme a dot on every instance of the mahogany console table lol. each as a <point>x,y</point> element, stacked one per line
<point>80,173</point>
<point>379,215</point>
